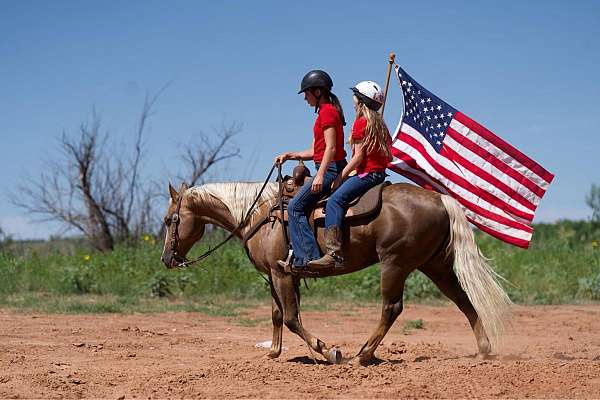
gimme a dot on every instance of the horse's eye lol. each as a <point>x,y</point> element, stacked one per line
<point>175,218</point>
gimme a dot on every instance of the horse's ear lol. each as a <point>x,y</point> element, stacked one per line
<point>173,192</point>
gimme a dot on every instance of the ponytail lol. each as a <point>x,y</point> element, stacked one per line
<point>338,106</point>
<point>333,100</point>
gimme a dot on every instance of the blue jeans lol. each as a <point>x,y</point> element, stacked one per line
<point>302,236</point>
<point>349,190</point>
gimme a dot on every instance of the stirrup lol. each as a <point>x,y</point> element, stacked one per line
<point>287,263</point>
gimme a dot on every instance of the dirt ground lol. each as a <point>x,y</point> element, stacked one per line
<point>551,352</point>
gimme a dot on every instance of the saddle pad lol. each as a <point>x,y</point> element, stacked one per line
<point>369,203</point>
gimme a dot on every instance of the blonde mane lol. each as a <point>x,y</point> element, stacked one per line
<point>237,196</point>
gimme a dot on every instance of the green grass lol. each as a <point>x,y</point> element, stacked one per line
<point>562,266</point>
<point>411,325</point>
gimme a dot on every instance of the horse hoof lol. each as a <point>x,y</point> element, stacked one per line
<point>273,354</point>
<point>334,356</point>
<point>365,361</point>
<point>485,356</point>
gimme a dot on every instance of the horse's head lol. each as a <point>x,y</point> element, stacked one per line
<point>184,228</point>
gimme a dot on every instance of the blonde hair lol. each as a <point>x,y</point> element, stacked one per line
<point>376,132</point>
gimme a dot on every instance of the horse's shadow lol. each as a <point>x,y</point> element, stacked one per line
<point>345,361</point>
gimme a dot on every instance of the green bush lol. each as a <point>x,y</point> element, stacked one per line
<point>562,265</point>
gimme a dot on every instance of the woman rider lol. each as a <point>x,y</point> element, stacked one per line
<point>329,156</point>
<point>371,153</point>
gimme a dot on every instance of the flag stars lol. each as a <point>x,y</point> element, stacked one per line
<point>439,107</point>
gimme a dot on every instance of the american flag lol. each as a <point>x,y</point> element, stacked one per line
<point>440,148</point>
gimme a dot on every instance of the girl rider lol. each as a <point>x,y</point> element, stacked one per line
<point>371,153</point>
<point>329,156</point>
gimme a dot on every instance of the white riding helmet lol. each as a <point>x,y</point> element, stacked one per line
<point>369,93</point>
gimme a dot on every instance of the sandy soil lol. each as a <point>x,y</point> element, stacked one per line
<point>551,352</point>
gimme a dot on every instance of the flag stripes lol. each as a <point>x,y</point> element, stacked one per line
<point>425,167</point>
<point>440,148</point>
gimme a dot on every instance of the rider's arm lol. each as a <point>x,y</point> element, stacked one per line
<point>328,155</point>
<point>357,158</point>
<point>296,155</point>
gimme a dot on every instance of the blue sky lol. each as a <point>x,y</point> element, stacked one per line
<point>526,70</point>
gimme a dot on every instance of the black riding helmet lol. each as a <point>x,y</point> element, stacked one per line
<point>315,78</point>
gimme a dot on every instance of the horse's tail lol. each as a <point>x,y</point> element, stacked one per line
<point>476,276</point>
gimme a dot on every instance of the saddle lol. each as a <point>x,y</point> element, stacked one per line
<point>362,207</point>
<point>360,211</point>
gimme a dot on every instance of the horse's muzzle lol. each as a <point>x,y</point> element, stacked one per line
<point>173,260</point>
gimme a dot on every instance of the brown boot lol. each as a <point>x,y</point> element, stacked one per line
<point>333,243</point>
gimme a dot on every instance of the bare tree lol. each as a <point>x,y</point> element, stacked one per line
<point>86,189</point>
<point>198,158</point>
<point>592,199</point>
<point>101,193</point>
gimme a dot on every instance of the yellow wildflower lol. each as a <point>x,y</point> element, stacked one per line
<point>594,243</point>
<point>87,257</point>
<point>146,238</point>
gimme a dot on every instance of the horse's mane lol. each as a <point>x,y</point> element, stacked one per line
<point>237,196</point>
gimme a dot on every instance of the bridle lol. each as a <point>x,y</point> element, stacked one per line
<point>176,219</point>
<point>174,242</point>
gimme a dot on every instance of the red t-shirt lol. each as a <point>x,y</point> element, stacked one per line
<point>375,161</point>
<point>328,117</point>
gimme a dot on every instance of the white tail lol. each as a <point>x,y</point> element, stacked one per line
<point>476,276</point>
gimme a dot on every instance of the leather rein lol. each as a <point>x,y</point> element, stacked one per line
<point>176,219</point>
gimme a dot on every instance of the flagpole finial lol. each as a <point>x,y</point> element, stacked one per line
<point>392,57</point>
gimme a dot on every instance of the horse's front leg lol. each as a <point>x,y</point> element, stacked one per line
<point>392,290</point>
<point>286,289</point>
<point>277,318</point>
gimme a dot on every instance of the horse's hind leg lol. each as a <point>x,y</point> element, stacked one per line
<point>277,318</point>
<point>442,274</point>
<point>392,291</point>
<point>286,289</point>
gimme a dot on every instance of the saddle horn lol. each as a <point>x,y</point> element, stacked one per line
<point>300,172</point>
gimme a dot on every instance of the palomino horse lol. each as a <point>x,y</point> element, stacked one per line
<point>415,229</point>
